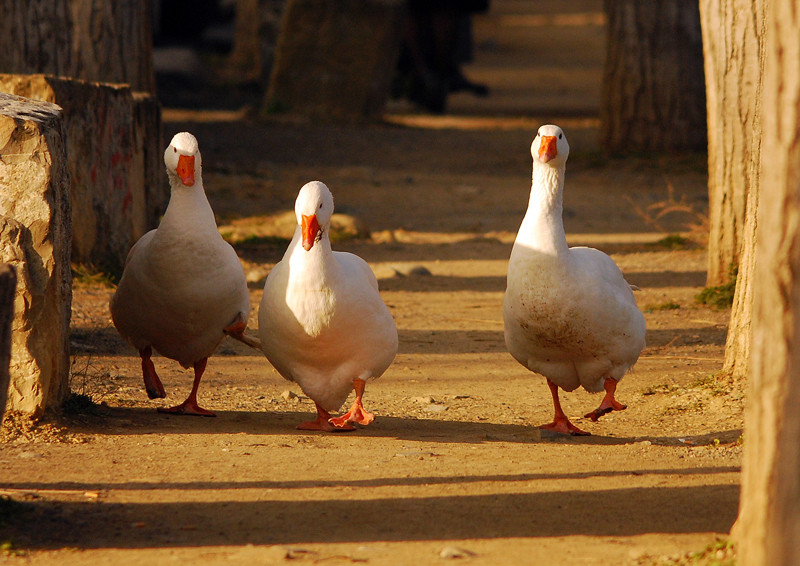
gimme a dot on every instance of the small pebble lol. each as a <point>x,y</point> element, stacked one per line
<point>289,395</point>
<point>455,552</point>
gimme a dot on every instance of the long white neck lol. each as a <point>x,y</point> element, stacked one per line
<point>542,228</point>
<point>188,206</point>
<point>313,267</point>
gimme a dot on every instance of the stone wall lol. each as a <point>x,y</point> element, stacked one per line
<point>114,150</point>
<point>35,235</point>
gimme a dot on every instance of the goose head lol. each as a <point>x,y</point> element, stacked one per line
<point>313,209</point>
<point>550,146</point>
<point>182,158</point>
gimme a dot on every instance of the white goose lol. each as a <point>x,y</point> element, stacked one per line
<point>322,321</point>
<point>183,287</point>
<point>569,313</point>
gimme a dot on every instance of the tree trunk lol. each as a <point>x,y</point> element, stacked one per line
<point>769,517</point>
<point>113,42</point>
<point>8,289</point>
<point>258,23</point>
<point>653,86</point>
<point>733,39</point>
<point>35,37</point>
<point>335,60</point>
<point>94,40</point>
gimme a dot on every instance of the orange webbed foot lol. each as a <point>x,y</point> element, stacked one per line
<point>357,413</point>
<point>565,426</point>
<point>322,422</point>
<point>187,408</point>
<point>190,406</point>
<point>609,403</point>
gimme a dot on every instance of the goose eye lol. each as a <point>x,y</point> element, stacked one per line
<point>174,150</point>
<point>320,206</point>
<point>560,136</point>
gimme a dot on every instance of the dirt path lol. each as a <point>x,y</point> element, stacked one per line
<point>454,461</point>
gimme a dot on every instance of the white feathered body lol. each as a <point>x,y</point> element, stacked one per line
<point>323,322</point>
<point>569,313</point>
<point>182,283</point>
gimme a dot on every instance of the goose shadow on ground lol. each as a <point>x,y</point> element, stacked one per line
<point>115,421</point>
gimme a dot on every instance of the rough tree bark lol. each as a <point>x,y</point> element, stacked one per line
<point>335,60</point>
<point>113,42</point>
<point>653,85</point>
<point>35,37</point>
<point>734,43</point>
<point>769,517</point>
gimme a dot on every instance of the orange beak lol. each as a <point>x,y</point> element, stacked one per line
<point>311,231</point>
<point>547,149</point>
<point>186,169</point>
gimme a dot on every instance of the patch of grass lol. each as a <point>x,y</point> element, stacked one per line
<point>663,388</point>
<point>720,296</point>
<point>254,240</point>
<point>337,236</point>
<point>710,382</point>
<point>673,242</point>
<point>88,275</point>
<point>8,549</point>
<point>668,306</point>
<point>719,553</point>
<point>722,552</point>
<point>695,406</point>
<point>274,107</point>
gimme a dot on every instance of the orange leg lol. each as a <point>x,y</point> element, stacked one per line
<point>560,421</point>
<point>152,384</point>
<point>357,413</point>
<point>321,422</point>
<point>609,403</point>
<point>190,406</point>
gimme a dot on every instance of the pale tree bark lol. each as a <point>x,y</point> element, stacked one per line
<point>35,37</point>
<point>734,43</point>
<point>113,42</point>
<point>653,84</point>
<point>769,517</point>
